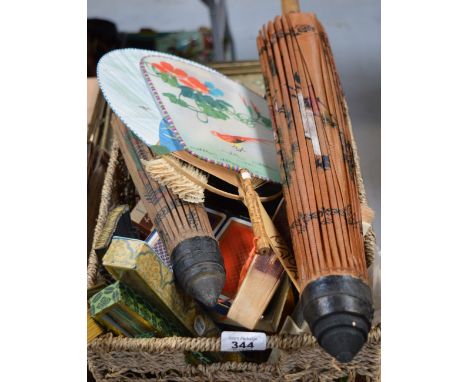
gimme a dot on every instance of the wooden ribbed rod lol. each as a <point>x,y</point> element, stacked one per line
<point>184,227</point>
<point>314,148</point>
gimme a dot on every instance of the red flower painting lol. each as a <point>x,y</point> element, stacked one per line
<point>183,78</point>
<point>203,97</point>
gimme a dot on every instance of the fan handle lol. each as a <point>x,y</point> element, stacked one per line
<point>289,6</point>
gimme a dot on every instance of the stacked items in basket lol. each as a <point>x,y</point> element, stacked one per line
<point>246,253</point>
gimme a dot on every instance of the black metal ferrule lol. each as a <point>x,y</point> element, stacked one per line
<point>199,268</point>
<point>339,312</point>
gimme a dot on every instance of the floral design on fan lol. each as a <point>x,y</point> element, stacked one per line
<point>204,98</point>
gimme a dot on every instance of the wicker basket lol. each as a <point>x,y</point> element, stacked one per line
<point>112,358</point>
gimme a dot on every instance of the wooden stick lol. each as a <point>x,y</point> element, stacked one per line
<point>288,6</point>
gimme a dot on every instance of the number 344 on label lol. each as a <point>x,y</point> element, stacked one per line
<point>243,341</point>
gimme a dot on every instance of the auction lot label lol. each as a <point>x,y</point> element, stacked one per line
<point>243,341</point>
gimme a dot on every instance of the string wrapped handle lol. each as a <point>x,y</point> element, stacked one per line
<point>251,201</point>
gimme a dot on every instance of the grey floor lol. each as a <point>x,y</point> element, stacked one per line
<point>353,27</point>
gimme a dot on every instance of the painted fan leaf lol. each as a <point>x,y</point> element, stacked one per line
<point>214,117</point>
<point>126,92</point>
<point>174,104</point>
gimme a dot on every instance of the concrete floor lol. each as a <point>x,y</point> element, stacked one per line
<point>353,27</point>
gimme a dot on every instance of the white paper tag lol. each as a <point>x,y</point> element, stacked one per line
<point>246,175</point>
<point>243,341</point>
<point>308,121</point>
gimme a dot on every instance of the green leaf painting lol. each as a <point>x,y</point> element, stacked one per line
<point>204,98</point>
<point>211,116</point>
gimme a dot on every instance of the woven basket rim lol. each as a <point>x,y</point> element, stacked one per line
<point>110,342</point>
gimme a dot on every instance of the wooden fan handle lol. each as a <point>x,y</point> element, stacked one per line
<point>251,201</point>
<point>289,6</point>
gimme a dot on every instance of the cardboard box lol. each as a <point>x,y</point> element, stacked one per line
<point>280,306</point>
<point>94,330</point>
<point>135,264</point>
<point>120,310</point>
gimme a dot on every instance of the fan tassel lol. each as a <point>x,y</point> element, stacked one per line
<point>182,179</point>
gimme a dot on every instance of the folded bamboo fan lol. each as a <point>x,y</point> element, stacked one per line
<point>314,146</point>
<point>183,110</point>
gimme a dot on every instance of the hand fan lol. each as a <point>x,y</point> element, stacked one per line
<point>215,124</point>
<point>126,92</point>
<point>213,117</point>
<point>314,141</point>
<point>197,110</point>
